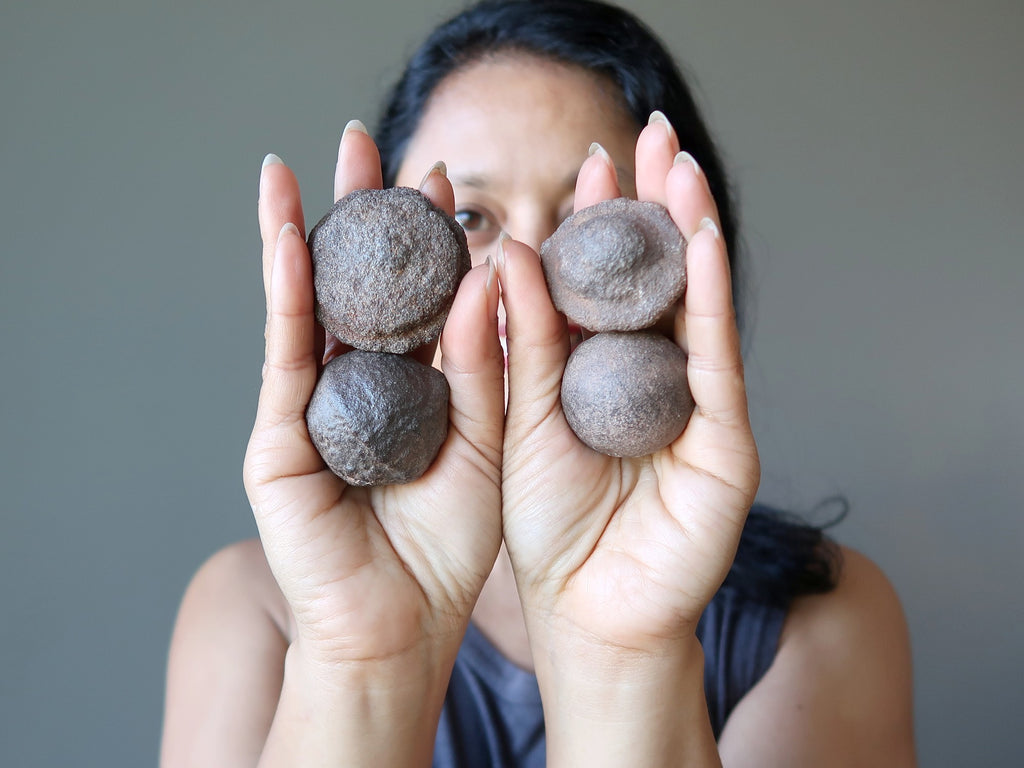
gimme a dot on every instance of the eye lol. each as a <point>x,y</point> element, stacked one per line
<point>479,224</point>
<point>471,221</point>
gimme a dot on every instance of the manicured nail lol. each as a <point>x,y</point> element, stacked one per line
<point>288,227</point>
<point>597,149</point>
<point>354,125</point>
<point>499,256</point>
<point>270,159</point>
<point>490,275</point>
<point>438,167</point>
<point>709,224</point>
<point>686,157</point>
<point>658,117</point>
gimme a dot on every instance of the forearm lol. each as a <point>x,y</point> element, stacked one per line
<point>357,714</point>
<point>605,707</point>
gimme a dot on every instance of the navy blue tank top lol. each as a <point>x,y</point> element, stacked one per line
<point>492,716</point>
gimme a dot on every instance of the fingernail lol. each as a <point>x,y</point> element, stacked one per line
<point>709,224</point>
<point>288,227</point>
<point>354,125</point>
<point>597,149</point>
<point>658,118</point>
<point>499,256</point>
<point>490,275</point>
<point>686,157</point>
<point>270,159</point>
<point>438,167</point>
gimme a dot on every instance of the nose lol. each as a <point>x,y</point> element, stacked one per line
<point>534,231</point>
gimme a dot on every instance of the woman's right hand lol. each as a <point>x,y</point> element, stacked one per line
<point>372,575</point>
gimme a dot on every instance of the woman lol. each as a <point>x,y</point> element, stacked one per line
<point>528,601</point>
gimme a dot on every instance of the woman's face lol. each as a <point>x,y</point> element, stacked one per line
<point>513,131</point>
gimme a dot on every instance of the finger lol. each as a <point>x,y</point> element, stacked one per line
<point>689,202</point>
<point>435,185</point>
<point>279,204</point>
<point>290,369</point>
<point>358,164</point>
<point>717,440</point>
<point>656,148</point>
<point>536,333</point>
<point>688,196</point>
<point>473,362</point>
<point>714,365</point>
<point>597,179</point>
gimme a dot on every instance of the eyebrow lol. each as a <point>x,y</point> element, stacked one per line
<point>474,180</point>
<point>483,181</point>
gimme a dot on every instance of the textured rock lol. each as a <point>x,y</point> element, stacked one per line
<point>626,394</point>
<point>378,418</point>
<point>386,266</point>
<point>615,266</point>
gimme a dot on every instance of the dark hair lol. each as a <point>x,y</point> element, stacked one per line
<point>778,557</point>
<point>598,37</point>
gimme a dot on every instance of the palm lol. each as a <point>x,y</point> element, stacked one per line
<point>628,550</point>
<point>371,572</point>
<point>633,551</point>
<point>368,572</point>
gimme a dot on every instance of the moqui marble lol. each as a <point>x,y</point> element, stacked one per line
<point>378,418</point>
<point>626,394</point>
<point>615,266</point>
<point>386,266</point>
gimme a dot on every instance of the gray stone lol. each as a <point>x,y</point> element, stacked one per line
<point>626,394</point>
<point>378,418</point>
<point>615,266</point>
<point>386,266</point>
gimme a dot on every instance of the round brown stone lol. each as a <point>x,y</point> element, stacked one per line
<point>378,418</point>
<point>386,266</point>
<point>615,266</point>
<point>626,394</point>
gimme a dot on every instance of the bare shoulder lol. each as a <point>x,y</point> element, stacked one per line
<point>862,616</point>
<point>839,692</point>
<point>226,660</point>
<point>236,580</point>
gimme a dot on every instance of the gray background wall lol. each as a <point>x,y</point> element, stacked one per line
<point>879,152</point>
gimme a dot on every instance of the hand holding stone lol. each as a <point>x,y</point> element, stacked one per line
<point>386,267</point>
<point>616,267</point>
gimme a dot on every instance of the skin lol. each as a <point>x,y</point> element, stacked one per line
<point>330,641</point>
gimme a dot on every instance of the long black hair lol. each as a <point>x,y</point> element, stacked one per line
<point>778,557</point>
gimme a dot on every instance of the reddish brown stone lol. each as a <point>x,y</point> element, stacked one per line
<point>626,394</point>
<point>386,266</point>
<point>378,418</point>
<point>615,266</point>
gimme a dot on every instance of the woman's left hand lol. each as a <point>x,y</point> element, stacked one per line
<point>625,553</point>
<point>616,558</point>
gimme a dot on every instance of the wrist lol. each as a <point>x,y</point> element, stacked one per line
<point>617,706</point>
<point>366,712</point>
